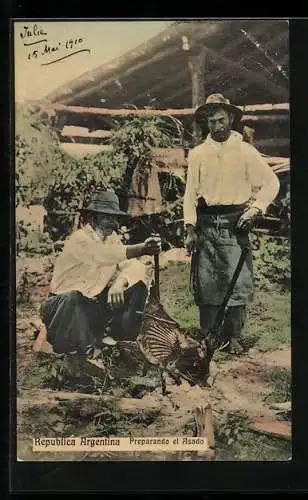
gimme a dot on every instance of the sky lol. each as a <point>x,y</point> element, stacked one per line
<point>98,42</point>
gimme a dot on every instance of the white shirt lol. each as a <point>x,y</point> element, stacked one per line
<point>88,264</point>
<point>228,173</point>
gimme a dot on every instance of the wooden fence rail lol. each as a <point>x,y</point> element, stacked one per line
<point>282,107</point>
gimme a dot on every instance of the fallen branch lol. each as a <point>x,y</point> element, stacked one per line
<point>280,429</point>
<point>286,406</point>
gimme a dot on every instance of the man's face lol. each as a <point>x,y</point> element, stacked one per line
<point>219,124</point>
<point>105,224</point>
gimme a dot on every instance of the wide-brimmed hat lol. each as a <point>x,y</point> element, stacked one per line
<point>104,202</point>
<point>217,101</point>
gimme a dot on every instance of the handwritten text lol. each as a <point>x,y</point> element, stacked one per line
<point>59,50</point>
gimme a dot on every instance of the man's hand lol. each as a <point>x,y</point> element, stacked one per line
<point>152,245</point>
<point>248,219</point>
<point>191,239</point>
<point>116,292</point>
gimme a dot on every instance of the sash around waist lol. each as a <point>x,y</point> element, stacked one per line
<point>203,208</point>
<point>219,215</point>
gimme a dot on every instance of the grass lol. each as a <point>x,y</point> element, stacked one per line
<point>235,442</point>
<point>268,320</point>
<point>279,381</point>
<point>252,447</point>
<point>35,375</point>
<point>176,296</point>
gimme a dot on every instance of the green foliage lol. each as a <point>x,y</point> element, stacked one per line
<point>32,241</point>
<point>138,386</point>
<point>73,185</point>
<point>111,421</point>
<point>37,154</point>
<point>229,429</point>
<point>250,446</point>
<point>172,190</point>
<point>284,205</point>
<point>61,369</point>
<point>253,447</point>
<point>280,383</point>
<point>108,357</point>
<point>272,263</point>
<point>236,442</point>
<point>136,137</point>
<point>281,208</point>
<point>45,172</point>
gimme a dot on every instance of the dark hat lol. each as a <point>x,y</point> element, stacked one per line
<point>217,101</point>
<point>105,202</point>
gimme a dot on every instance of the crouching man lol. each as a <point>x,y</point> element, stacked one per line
<point>98,283</point>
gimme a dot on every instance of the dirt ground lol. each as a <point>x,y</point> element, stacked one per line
<point>242,393</point>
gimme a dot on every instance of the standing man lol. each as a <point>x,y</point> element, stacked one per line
<point>97,281</point>
<point>229,184</point>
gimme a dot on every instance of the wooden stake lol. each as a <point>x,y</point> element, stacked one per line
<point>77,215</point>
<point>205,428</point>
<point>156,275</point>
<point>196,68</point>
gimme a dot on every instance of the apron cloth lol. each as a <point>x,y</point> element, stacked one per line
<point>219,250</point>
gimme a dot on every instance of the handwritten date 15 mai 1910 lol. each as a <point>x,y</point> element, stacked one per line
<point>50,49</point>
<point>35,36</point>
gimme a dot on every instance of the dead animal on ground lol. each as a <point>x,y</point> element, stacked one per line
<point>164,344</point>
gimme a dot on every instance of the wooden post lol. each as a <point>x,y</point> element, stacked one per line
<point>196,66</point>
<point>77,215</point>
<point>205,428</point>
<point>156,276</point>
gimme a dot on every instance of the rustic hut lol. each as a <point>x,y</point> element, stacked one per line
<point>170,74</point>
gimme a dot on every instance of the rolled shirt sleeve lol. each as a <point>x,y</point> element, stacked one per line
<point>264,182</point>
<point>133,270</point>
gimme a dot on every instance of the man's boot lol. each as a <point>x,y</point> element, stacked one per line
<point>233,325</point>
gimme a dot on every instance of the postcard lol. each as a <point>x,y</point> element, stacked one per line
<point>153,275</point>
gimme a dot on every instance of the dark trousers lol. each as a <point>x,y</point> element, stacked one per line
<point>233,322</point>
<point>75,322</point>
